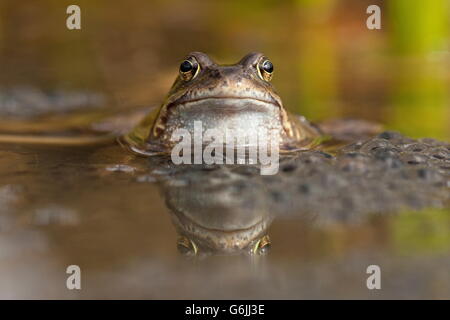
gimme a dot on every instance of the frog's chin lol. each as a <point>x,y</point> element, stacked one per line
<point>217,240</point>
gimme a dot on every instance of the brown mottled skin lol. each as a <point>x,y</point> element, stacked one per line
<point>238,96</point>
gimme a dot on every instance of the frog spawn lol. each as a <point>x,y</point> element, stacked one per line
<point>378,176</point>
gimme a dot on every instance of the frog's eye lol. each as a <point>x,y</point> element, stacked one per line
<point>189,69</point>
<point>265,69</point>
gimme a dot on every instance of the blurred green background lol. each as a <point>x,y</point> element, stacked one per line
<point>327,62</point>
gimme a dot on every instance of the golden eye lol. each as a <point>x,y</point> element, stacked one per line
<point>265,70</point>
<point>189,69</point>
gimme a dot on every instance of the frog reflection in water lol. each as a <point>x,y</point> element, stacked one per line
<point>216,211</point>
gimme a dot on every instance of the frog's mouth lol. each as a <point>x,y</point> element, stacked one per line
<point>237,97</point>
<point>225,101</point>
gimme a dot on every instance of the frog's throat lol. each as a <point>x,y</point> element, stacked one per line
<point>290,124</point>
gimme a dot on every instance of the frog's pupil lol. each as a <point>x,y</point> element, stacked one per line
<point>268,66</point>
<point>186,66</point>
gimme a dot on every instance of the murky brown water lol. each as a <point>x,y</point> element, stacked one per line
<point>88,206</point>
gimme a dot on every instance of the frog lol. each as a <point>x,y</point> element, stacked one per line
<point>237,97</point>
